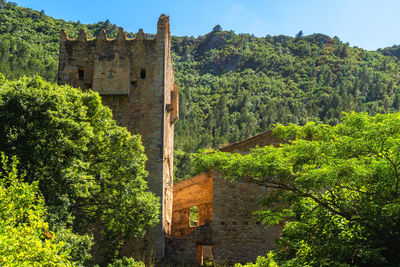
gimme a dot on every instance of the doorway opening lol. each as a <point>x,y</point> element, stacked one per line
<point>205,255</point>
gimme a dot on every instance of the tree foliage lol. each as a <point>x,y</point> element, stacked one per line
<point>29,41</point>
<point>89,170</point>
<point>25,238</point>
<point>340,181</point>
<point>126,262</point>
<point>338,187</point>
<point>261,262</point>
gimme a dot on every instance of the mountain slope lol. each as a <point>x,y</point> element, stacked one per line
<point>29,41</point>
<point>231,85</point>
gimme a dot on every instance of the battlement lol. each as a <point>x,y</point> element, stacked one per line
<point>163,30</point>
<point>102,36</point>
<point>112,66</point>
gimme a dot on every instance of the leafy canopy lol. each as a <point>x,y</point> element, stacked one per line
<point>25,239</point>
<point>337,186</point>
<point>90,171</point>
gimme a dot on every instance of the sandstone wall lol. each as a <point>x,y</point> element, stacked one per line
<point>237,236</point>
<point>135,78</point>
<point>183,251</point>
<point>236,233</point>
<point>231,229</point>
<point>196,191</point>
<point>185,241</point>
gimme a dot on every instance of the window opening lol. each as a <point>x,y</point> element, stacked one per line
<point>142,74</point>
<point>194,216</point>
<point>81,74</point>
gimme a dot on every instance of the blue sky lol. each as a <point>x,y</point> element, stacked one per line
<point>369,24</point>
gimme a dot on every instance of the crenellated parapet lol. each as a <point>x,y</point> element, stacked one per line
<point>112,66</point>
<point>162,34</point>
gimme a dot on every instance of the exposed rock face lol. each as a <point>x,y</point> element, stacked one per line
<point>135,78</point>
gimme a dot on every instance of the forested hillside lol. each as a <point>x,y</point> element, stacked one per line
<point>231,85</point>
<point>234,86</point>
<point>29,41</point>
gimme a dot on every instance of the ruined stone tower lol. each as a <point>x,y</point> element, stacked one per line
<point>135,78</point>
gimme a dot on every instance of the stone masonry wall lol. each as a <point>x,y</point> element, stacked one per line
<point>237,236</point>
<point>231,229</point>
<point>184,242</point>
<point>135,79</point>
<point>196,191</point>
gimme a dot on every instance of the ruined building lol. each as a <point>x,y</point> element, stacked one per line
<point>135,78</point>
<point>226,229</point>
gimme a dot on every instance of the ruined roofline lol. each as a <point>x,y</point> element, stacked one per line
<point>192,180</point>
<point>228,146</point>
<point>269,137</point>
<point>162,25</point>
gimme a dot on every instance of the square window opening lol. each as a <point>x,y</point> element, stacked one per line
<point>194,216</point>
<point>81,74</point>
<point>143,74</point>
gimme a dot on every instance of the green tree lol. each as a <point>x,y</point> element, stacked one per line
<point>125,262</point>
<point>217,28</point>
<point>261,262</point>
<point>25,238</point>
<point>337,186</point>
<point>89,170</point>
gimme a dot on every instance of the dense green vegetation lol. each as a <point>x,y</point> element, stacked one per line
<point>231,85</point>
<point>24,235</point>
<point>338,187</point>
<point>29,41</point>
<point>234,86</point>
<point>90,171</point>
